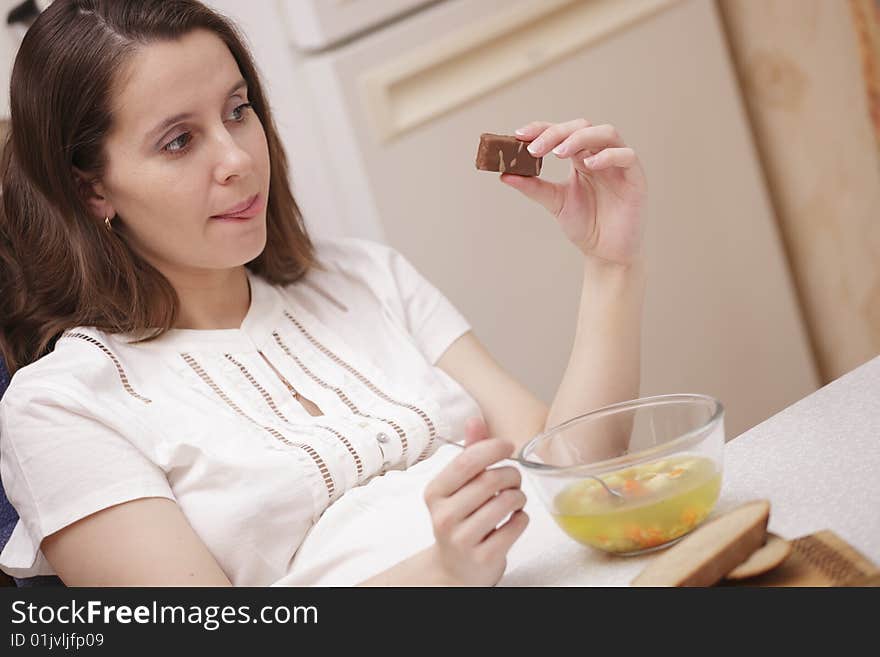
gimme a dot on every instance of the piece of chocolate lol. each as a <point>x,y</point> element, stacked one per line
<point>506,154</point>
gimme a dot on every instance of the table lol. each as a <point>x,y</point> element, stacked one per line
<point>817,461</point>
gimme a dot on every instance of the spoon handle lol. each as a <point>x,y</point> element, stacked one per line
<point>607,488</point>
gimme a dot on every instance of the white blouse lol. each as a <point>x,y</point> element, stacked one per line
<point>213,419</point>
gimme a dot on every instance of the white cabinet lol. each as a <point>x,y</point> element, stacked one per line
<point>317,24</point>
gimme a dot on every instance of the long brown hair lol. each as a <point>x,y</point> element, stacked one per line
<point>59,266</point>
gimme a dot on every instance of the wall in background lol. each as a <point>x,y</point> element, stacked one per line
<point>808,69</point>
<point>10,38</point>
<point>866,17</point>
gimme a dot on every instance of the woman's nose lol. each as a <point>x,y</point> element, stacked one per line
<point>232,158</point>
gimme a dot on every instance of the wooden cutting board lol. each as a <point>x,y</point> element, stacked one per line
<point>819,559</point>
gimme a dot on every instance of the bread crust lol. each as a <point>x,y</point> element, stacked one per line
<point>764,559</point>
<point>712,551</point>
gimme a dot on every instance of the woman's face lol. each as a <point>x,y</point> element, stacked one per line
<point>185,147</point>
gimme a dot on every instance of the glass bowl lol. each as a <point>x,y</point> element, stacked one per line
<point>631,477</point>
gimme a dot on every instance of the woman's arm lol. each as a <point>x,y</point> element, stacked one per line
<point>599,209</point>
<point>510,410</point>
<point>604,365</point>
<point>421,569</point>
<point>149,542</point>
<point>144,542</point>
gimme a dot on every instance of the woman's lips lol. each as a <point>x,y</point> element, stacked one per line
<point>252,210</point>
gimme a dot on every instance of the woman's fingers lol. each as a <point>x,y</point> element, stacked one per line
<point>482,489</point>
<point>554,135</point>
<point>591,139</point>
<point>467,465</point>
<point>548,194</point>
<point>611,157</point>
<point>577,139</point>
<point>532,130</point>
<point>475,429</point>
<point>499,542</point>
<point>487,517</point>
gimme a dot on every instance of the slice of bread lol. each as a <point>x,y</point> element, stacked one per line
<point>765,558</point>
<point>705,556</point>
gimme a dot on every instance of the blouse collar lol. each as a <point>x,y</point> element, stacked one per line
<point>255,330</point>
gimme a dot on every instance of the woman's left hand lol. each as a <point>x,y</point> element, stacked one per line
<point>600,206</point>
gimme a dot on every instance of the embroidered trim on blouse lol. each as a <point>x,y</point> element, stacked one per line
<point>122,376</point>
<point>308,449</point>
<point>271,403</point>
<point>357,457</point>
<point>343,397</point>
<point>296,395</point>
<point>266,396</point>
<point>379,393</point>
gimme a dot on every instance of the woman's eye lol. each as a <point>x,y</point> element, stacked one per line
<point>238,111</point>
<point>177,144</point>
<point>180,144</point>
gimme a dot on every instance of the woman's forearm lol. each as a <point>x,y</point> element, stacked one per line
<point>421,569</point>
<point>604,366</point>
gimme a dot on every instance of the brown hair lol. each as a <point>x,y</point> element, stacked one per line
<point>59,266</point>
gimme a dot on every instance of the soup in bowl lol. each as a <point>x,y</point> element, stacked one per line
<point>631,477</point>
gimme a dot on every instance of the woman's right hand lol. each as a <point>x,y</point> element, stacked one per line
<point>467,501</point>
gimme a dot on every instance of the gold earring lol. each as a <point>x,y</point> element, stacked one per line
<point>107,223</point>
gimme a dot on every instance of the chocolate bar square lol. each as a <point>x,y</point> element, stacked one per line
<point>508,154</point>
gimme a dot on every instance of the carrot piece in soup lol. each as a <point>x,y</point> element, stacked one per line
<point>632,486</point>
<point>633,532</point>
<point>653,537</point>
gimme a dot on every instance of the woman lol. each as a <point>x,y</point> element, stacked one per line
<point>197,382</point>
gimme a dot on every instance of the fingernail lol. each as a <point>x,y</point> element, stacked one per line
<point>520,131</point>
<point>559,150</point>
<point>590,161</point>
<point>534,147</point>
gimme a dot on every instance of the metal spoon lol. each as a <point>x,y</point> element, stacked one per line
<point>616,494</point>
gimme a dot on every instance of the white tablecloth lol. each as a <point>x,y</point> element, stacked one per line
<point>818,462</point>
